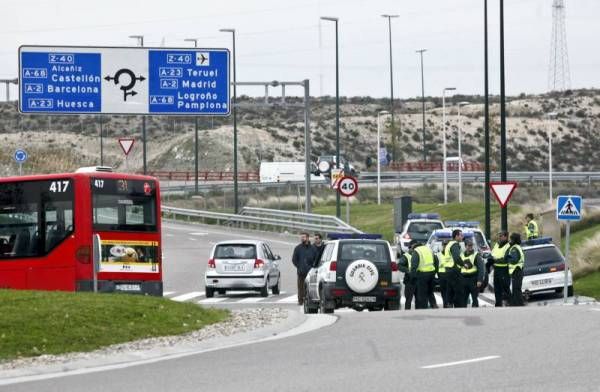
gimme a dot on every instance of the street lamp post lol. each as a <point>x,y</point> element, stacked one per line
<point>195,41</point>
<point>235,132</point>
<point>550,116</point>
<point>444,141</point>
<point>338,209</point>
<point>460,160</point>
<point>140,42</point>
<point>383,112</point>
<point>389,19</point>
<point>421,51</point>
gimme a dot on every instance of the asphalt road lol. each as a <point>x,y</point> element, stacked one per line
<point>524,349</point>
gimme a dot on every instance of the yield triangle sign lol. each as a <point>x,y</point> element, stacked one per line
<point>503,191</point>
<point>126,144</point>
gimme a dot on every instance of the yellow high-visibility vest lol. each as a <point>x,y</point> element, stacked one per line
<point>520,263</point>
<point>426,262</point>
<point>498,254</point>
<point>471,259</point>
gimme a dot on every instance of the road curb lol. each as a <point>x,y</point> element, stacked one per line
<point>295,324</point>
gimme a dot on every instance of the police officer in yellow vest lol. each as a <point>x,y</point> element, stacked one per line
<point>532,230</point>
<point>424,265</point>
<point>516,261</point>
<point>472,272</point>
<point>445,260</point>
<point>501,277</point>
<point>456,284</point>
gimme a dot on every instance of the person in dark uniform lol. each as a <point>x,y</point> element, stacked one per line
<point>515,258</point>
<point>454,277</point>
<point>404,265</point>
<point>501,276</point>
<point>443,276</point>
<point>424,265</point>
<point>473,273</point>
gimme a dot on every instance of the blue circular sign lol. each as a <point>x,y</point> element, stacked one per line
<point>20,156</point>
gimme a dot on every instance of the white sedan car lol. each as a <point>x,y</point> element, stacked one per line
<point>242,265</point>
<point>544,270</point>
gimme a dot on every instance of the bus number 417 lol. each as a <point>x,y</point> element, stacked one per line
<point>59,186</point>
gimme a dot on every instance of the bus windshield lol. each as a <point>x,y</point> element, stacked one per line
<point>124,205</point>
<point>35,216</point>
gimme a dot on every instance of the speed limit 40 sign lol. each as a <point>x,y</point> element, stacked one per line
<point>347,186</point>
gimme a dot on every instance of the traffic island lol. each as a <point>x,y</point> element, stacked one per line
<point>36,323</point>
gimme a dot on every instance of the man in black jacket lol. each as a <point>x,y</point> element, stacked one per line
<point>303,259</point>
<point>320,246</point>
<point>455,278</point>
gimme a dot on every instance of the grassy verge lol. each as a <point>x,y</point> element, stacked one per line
<point>373,218</point>
<point>588,285</point>
<point>33,323</point>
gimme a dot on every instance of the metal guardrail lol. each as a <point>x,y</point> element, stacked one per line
<point>265,219</point>
<point>405,177</point>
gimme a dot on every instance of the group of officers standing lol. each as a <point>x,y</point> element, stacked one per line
<point>461,274</point>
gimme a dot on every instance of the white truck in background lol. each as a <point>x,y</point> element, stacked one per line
<point>286,172</point>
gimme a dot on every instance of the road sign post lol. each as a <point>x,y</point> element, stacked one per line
<point>20,157</point>
<point>347,187</point>
<point>568,209</point>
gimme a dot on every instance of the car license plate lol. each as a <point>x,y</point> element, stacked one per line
<point>364,299</point>
<point>128,287</point>
<point>541,282</point>
<point>235,267</point>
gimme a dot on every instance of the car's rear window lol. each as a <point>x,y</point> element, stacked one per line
<point>422,230</point>
<point>480,241</point>
<point>235,251</point>
<point>375,252</point>
<point>536,257</point>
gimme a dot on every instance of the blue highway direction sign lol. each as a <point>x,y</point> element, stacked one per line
<point>76,80</point>
<point>20,156</point>
<point>568,208</point>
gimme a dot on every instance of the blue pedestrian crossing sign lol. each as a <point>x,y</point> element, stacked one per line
<point>20,156</point>
<point>569,208</point>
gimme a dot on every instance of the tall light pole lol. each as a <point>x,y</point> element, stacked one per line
<point>381,113</point>
<point>389,19</point>
<point>235,132</point>
<point>444,141</point>
<point>460,160</point>
<point>338,209</point>
<point>486,124</point>
<point>421,51</point>
<point>195,41</point>
<point>140,42</point>
<point>550,117</point>
<point>504,211</point>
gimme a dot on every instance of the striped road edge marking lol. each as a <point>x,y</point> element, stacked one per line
<point>188,296</point>
<point>167,293</point>
<point>214,300</point>
<point>289,300</point>
<point>447,364</point>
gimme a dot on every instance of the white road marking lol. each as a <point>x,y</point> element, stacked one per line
<point>188,296</point>
<point>230,234</point>
<point>596,309</point>
<point>167,293</point>
<point>250,300</point>
<point>291,299</point>
<point>192,239</point>
<point>169,235</point>
<point>461,362</point>
<point>198,233</point>
<point>212,300</point>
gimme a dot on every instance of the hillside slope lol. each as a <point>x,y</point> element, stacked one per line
<point>59,143</point>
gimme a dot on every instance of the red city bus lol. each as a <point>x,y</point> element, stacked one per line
<point>47,224</point>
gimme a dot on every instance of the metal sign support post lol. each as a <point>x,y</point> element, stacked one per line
<point>20,169</point>
<point>348,210</point>
<point>566,287</point>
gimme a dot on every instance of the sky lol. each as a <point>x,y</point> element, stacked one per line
<point>285,40</point>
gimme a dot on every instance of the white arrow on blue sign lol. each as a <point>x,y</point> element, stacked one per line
<point>568,208</point>
<point>20,156</point>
